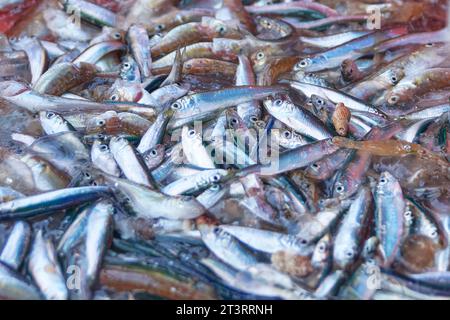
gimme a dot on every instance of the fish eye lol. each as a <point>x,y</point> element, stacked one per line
<point>117,35</point>
<point>393,100</point>
<point>153,152</point>
<point>126,65</point>
<point>94,183</point>
<point>216,177</point>
<point>234,121</point>
<point>315,166</point>
<point>349,253</point>
<point>160,27</point>
<point>260,55</point>
<point>176,106</point>
<point>221,30</point>
<point>301,64</point>
<point>50,115</point>
<point>394,79</point>
<point>340,188</point>
<point>287,134</point>
<point>278,102</point>
<point>103,148</point>
<point>320,101</point>
<point>191,133</point>
<point>87,175</point>
<point>321,247</point>
<point>101,122</point>
<point>429,44</point>
<point>253,118</point>
<point>303,241</point>
<point>383,180</point>
<point>114,97</point>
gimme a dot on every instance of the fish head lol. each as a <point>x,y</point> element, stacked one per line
<point>183,104</point>
<point>154,156</point>
<point>107,122</point>
<point>302,64</point>
<point>344,255</point>
<point>52,122</point>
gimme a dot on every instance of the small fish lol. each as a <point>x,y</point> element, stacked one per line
<point>350,235</point>
<point>98,236</point>
<point>15,287</point>
<point>103,159</point>
<point>129,161</point>
<point>390,206</point>
<point>45,269</point>
<point>49,201</point>
<point>16,247</point>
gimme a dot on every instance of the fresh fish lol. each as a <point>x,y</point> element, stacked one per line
<point>390,206</point>
<point>48,202</point>
<point>98,233</point>
<point>46,272</point>
<point>16,247</point>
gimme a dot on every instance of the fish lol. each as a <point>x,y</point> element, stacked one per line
<point>14,286</point>
<point>140,198</point>
<point>200,106</point>
<point>350,235</point>
<point>129,161</point>
<point>390,205</point>
<point>16,247</point>
<point>45,269</point>
<point>47,202</point>
<point>99,227</point>
<point>298,119</point>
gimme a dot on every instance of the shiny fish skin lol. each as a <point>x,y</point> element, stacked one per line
<point>103,159</point>
<point>15,249</point>
<point>200,105</point>
<point>267,241</point>
<point>194,150</point>
<point>53,122</point>
<point>297,118</point>
<point>46,272</point>
<point>98,233</point>
<point>140,49</point>
<point>390,205</point>
<point>195,182</point>
<point>349,101</point>
<point>153,204</point>
<point>129,161</point>
<point>36,55</point>
<point>294,158</point>
<point>245,76</point>
<point>49,201</point>
<point>350,236</point>
<point>13,286</point>
<point>227,248</point>
<point>74,233</point>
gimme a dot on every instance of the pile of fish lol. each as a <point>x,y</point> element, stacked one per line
<point>203,149</point>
